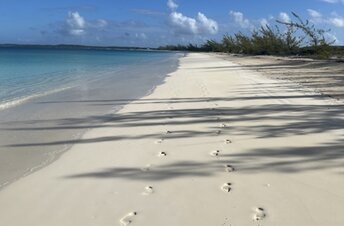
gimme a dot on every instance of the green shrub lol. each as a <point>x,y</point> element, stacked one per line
<point>269,40</point>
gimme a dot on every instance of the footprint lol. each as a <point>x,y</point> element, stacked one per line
<point>159,141</point>
<point>226,187</point>
<point>148,190</point>
<point>229,168</point>
<point>228,141</point>
<point>259,214</point>
<point>168,132</point>
<point>127,219</point>
<point>218,132</point>
<point>162,154</point>
<point>215,153</point>
<point>223,125</point>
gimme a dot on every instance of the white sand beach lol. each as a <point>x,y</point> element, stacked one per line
<point>216,144</point>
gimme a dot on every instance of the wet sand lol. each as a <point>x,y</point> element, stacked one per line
<point>37,132</point>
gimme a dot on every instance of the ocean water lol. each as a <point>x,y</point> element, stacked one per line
<point>28,73</point>
<point>50,97</point>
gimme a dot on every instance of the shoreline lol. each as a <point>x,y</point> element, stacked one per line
<point>214,140</point>
<point>36,133</point>
<point>58,153</point>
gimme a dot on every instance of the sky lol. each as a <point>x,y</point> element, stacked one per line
<point>151,23</point>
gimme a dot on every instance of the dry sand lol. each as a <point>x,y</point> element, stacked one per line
<point>323,76</point>
<point>213,145</point>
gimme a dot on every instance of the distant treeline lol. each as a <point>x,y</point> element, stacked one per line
<point>66,46</point>
<point>297,37</point>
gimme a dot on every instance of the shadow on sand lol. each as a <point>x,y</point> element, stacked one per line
<point>325,76</point>
<point>320,157</point>
<point>292,120</point>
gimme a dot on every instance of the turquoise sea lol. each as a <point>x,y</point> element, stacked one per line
<point>50,97</point>
<point>29,73</point>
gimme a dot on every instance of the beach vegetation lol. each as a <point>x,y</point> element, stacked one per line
<point>295,37</point>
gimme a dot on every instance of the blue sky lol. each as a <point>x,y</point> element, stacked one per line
<point>150,23</point>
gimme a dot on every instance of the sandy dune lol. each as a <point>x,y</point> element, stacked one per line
<point>213,145</point>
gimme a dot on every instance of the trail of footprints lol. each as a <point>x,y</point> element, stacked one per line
<point>259,212</point>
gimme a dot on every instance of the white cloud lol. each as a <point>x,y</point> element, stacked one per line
<point>101,23</point>
<point>264,22</point>
<point>331,38</point>
<point>313,13</point>
<point>76,24</point>
<point>195,26</point>
<point>75,20</point>
<point>241,20</point>
<point>172,5</point>
<point>330,1</point>
<point>333,1</point>
<point>316,17</point>
<point>148,12</point>
<point>337,21</point>
<point>334,20</point>
<point>141,35</point>
<point>184,25</point>
<point>284,17</point>
<point>206,25</point>
<point>76,32</point>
